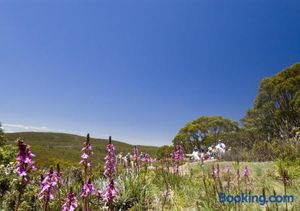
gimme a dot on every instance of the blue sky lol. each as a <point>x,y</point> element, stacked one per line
<point>138,69</point>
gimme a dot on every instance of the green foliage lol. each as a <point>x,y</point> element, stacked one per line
<point>7,154</point>
<point>276,110</point>
<point>283,150</point>
<point>268,127</point>
<point>241,138</point>
<point>2,136</point>
<point>164,151</point>
<point>136,191</point>
<point>204,130</point>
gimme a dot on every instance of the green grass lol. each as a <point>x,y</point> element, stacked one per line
<point>262,175</point>
<point>197,190</point>
<point>52,148</point>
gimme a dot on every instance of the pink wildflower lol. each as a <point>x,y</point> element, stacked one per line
<point>136,156</point>
<point>227,170</point>
<point>87,189</point>
<point>177,155</point>
<point>246,172</point>
<point>146,158</point>
<point>25,161</point>
<point>216,171</point>
<point>48,185</point>
<point>109,171</point>
<point>110,160</point>
<point>87,152</point>
<point>110,192</point>
<point>70,203</point>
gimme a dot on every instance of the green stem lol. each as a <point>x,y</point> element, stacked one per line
<point>23,185</point>
<point>286,205</point>
<point>18,201</point>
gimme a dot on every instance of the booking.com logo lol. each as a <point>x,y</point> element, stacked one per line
<point>261,199</point>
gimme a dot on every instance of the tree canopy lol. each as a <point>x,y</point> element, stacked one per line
<point>2,136</point>
<point>203,130</point>
<point>164,151</point>
<point>276,109</point>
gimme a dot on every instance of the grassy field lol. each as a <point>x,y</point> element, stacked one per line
<point>197,190</point>
<point>194,188</point>
<point>52,148</point>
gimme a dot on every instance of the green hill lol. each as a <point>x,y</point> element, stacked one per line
<point>52,148</point>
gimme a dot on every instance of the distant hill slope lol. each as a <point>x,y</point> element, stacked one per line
<point>52,148</point>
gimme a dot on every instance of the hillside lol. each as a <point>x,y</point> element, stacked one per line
<point>52,148</point>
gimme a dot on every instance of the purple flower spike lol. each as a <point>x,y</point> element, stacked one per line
<point>110,160</point>
<point>49,184</point>
<point>246,172</point>
<point>70,203</point>
<point>215,172</point>
<point>25,161</point>
<point>109,171</point>
<point>177,155</point>
<point>227,170</point>
<point>87,189</point>
<point>136,156</point>
<point>87,152</point>
<point>110,192</point>
<point>146,158</point>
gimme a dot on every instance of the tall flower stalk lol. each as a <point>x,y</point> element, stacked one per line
<point>246,174</point>
<point>227,176</point>
<point>215,171</point>
<point>59,183</point>
<point>86,191</point>
<point>177,155</point>
<point>136,158</point>
<point>87,188</point>
<point>71,202</point>
<point>216,176</point>
<point>286,180</point>
<point>109,172</point>
<point>238,176</point>
<point>49,183</point>
<point>25,164</point>
<point>110,193</point>
<point>86,156</point>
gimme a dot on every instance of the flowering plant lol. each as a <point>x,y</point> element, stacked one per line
<point>49,183</point>
<point>87,189</point>
<point>110,192</point>
<point>109,171</point>
<point>177,155</point>
<point>25,164</point>
<point>136,157</point>
<point>110,160</point>
<point>25,161</point>
<point>246,172</point>
<point>87,152</point>
<point>71,202</point>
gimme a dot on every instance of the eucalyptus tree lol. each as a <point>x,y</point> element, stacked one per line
<point>204,130</point>
<point>276,109</point>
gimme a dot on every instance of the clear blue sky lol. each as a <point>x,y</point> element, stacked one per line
<point>138,69</point>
